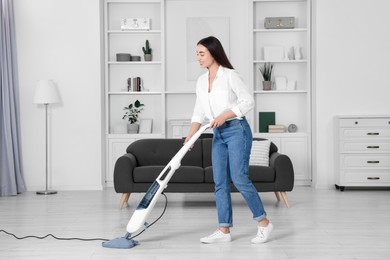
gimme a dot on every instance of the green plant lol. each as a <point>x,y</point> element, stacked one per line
<point>147,49</point>
<point>133,110</point>
<point>266,71</point>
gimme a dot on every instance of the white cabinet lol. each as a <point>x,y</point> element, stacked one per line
<point>116,73</point>
<point>362,151</point>
<point>291,105</point>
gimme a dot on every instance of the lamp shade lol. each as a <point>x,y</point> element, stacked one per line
<point>46,93</point>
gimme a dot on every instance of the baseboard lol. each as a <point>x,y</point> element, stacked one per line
<point>66,188</point>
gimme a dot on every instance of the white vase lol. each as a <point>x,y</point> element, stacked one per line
<point>297,53</point>
<point>132,128</point>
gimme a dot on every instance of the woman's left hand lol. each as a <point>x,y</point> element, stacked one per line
<point>218,121</point>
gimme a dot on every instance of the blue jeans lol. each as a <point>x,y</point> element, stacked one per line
<point>232,143</point>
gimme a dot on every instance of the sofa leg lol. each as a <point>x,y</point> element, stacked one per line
<point>284,197</point>
<point>124,199</point>
<point>277,194</point>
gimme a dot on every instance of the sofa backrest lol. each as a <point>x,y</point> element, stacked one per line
<point>161,151</point>
<point>207,143</point>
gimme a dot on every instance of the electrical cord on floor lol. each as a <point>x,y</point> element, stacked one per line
<point>87,239</point>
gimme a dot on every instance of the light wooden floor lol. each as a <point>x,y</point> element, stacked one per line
<point>321,224</point>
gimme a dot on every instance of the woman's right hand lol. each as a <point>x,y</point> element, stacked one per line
<point>194,127</point>
<point>186,140</point>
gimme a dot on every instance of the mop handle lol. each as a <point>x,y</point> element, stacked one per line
<point>138,219</point>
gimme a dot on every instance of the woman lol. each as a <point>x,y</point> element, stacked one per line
<point>223,99</point>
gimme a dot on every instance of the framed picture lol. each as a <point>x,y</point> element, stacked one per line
<point>146,126</point>
<point>201,27</point>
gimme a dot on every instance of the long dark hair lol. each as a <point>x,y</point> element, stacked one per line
<point>216,50</point>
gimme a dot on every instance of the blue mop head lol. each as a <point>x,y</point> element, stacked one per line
<point>121,242</point>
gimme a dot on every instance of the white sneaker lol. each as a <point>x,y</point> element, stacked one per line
<point>263,234</point>
<point>216,237</point>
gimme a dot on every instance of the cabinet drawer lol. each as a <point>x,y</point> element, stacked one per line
<point>369,177</point>
<point>361,122</point>
<point>365,147</point>
<point>365,160</point>
<point>369,133</point>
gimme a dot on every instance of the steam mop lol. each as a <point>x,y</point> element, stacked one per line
<point>141,213</point>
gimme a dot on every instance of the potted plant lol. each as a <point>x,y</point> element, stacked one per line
<point>266,72</point>
<point>131,114</point>
<point>147,51</point>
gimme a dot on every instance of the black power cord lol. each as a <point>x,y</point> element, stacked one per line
<point>87,239</point>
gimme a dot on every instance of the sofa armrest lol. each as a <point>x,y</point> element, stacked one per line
<point>284,171</point>
<point>123,173</point>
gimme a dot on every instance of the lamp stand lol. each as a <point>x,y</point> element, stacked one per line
<point>46,192</point>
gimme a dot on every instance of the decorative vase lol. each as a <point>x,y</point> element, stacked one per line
<point>297,53</point>
<point>267,85</point>
<point>132,128</point>
<point>148,57</point>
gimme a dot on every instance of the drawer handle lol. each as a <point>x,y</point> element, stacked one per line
<point>372,133</point>
<point>372,161</point>
<point>373,178</point>
<point>373,146</point>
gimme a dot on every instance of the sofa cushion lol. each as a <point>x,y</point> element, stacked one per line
<point>161,151</point>
<point>206,146</point>
<point>208,174</point>
<point>272,149</point>
<point>256,174</point>
<point>185,174</point>
<point>260,153</point>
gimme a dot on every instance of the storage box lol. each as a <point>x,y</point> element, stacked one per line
<point>279,23</point>
<point>135,24</point>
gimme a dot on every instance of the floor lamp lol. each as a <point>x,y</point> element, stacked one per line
<point>46,93</point>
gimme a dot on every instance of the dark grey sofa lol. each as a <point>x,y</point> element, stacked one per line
<point>136,170</point>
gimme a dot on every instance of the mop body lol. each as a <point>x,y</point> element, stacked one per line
<point>144,208</point>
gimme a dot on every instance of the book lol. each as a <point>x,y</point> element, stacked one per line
<point>266,119</point>
<point>276,127</point>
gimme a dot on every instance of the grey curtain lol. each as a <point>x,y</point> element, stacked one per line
<point>11,175</point>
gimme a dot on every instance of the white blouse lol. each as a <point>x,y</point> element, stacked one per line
<point>228,93</point>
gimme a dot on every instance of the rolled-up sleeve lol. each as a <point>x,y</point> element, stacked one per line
<point>245,101</point>
<point>198,114</point>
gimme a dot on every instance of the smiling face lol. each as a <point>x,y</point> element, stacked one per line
<point>205,59</point>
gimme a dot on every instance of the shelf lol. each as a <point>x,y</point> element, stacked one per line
<point>136,136</point>
<point>275,135</point>
<point>180,92</point>
<point>134,93</point>
<point>280,61</point>
<point>134,62</point>
<point>279,30</point>
<point>133,32</point>
<point>280,91</point>
<point>133,1</point>
<point>260,1</point>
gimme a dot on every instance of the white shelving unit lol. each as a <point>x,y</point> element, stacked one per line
<point>290,106</point>
<point>162,99</point>
<point>116,73</point>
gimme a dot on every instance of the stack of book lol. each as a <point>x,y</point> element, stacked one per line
<point>275,128</point>
<point>134,84</point>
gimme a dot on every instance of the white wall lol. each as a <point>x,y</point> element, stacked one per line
<point>352,70</point>
<point>177,12</point>
<point>60,40</point>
